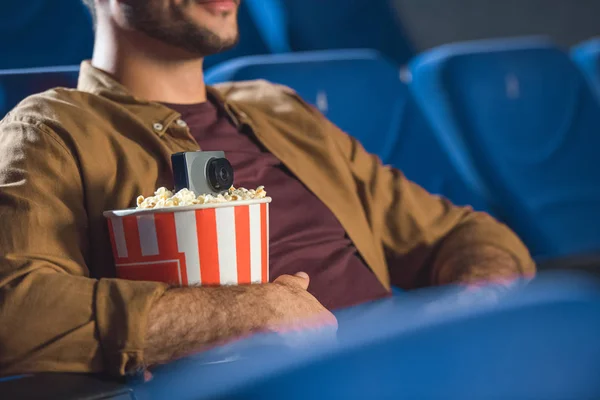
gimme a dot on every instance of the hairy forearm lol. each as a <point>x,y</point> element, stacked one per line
<point>185,320</point>
<point>479,264</point>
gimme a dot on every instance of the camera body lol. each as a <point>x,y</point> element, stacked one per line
<point>203,172</point>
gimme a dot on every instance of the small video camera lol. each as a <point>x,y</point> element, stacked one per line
<point>203,172</point>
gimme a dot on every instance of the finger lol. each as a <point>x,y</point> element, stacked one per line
<point>302,275</point>
<point>305,279</point>
<point>297,280</point>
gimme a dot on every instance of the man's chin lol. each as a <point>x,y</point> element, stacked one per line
<point>218,50</point>
<point>204,49</point>
<point>218,39</point>
<point>221,45</point>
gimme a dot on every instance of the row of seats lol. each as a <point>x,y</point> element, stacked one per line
<point>507,126</point>
<point>30,30</point>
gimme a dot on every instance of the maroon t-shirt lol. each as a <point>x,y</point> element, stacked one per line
<point>304,233</point>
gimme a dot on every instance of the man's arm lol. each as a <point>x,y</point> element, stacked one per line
<point>54,317</point>
<point>187,319</point>
<point>428,240</point>
<point>479,265</point>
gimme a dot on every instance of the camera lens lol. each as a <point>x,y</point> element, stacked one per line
<point>220,174</point>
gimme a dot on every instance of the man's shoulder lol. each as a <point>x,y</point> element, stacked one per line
<point>51,106</point>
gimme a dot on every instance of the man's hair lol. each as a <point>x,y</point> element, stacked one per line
<point>92,7</point>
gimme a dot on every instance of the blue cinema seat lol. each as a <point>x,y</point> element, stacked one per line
<point>17,84</point>
<point>262,31</point>
<point>344,24</point>
<point>587,56</point>
<point>39,33</point>
<point>520,124</point>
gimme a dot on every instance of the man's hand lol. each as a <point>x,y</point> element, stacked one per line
<point>295,308</point>
<point>186,320</point>
<point>480,266</point>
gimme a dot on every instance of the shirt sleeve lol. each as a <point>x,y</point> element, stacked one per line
<point>417,228</point>
<point>53,316</point>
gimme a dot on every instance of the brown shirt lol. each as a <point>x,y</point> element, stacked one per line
<point>304,233</point>
<point>68,155</point>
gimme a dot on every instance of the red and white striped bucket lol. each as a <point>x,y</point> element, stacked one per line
<point>210,244</point>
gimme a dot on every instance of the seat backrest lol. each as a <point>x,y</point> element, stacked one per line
<point>262,31</point>
<point>518,118</point>
<point>587,57</point>
<point>271,21</point>
<point>40,33</point>
<point>344,24</point>
<point>17,84</point>
<point>357,89</point>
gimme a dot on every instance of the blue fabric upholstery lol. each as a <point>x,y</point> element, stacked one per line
<point>520,125</point>
<point>271,21</point>
<point>587,57</point>
<point>342,24</point>
<point>39,33</point>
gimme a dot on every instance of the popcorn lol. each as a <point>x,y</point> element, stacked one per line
<point>165,198</point>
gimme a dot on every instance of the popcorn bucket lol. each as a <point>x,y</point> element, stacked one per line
<point>208,245</point>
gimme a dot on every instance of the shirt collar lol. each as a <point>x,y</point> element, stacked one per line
<point>158,116</point>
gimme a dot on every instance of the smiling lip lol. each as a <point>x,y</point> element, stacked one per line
<point>218,6</point>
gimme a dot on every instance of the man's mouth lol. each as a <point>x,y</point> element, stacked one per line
<point>219,6</point>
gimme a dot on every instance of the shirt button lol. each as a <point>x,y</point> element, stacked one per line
<point>158,127</point>
<point>181,123</point>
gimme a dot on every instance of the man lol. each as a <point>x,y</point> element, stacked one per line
<point>338,215</point>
